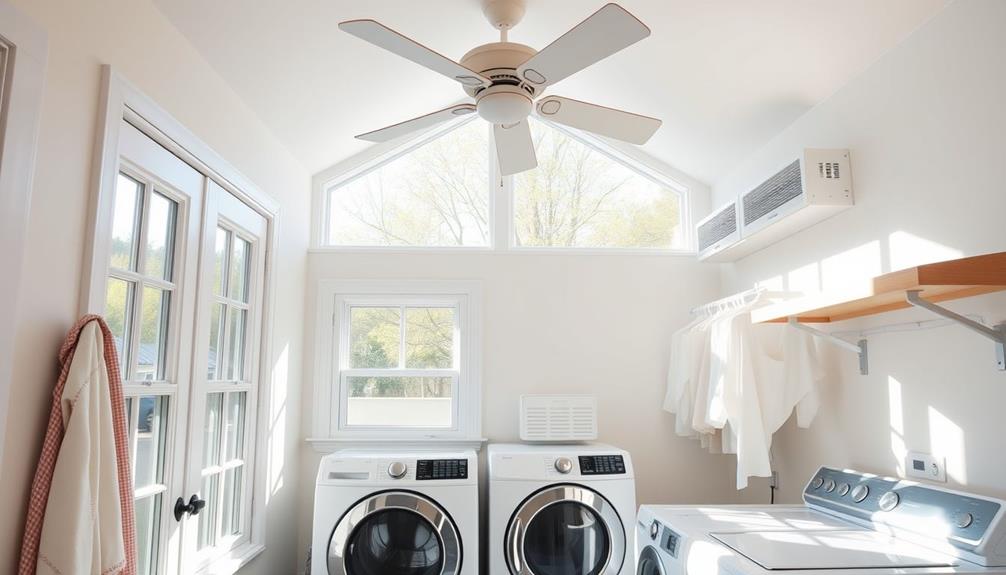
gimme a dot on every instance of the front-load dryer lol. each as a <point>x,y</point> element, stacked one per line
<point>560,510</point>
<point>384,513</point>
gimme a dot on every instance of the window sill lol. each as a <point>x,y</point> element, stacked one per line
<point>511,251</point>
<point>332,444</point>
<point>232,561</point>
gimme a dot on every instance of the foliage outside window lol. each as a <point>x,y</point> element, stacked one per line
<point>439,195</point>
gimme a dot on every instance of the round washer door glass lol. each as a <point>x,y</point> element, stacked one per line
<point>395,533</point>
<point>566,538</point>
<point>649,562</point>
<point>394,541</point>
<point>565,530</point>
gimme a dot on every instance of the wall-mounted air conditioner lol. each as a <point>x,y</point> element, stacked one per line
<point>805,191</point>
<point>718,232</point>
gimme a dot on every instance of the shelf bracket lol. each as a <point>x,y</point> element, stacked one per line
<point>859,348</point>
<point>996,334</point>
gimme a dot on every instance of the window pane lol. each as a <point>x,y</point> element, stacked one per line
<point>400,401</point>
<point>579,197</point>
<point>151,440</point>
<point>208,517</point>
<point>239,268</point>
<point>125,222</point>
<point>160,237</point>
<point>375,336</point>
<point>235,425</point>
<point>153,332</point>
<point>211,429</point>
<point>231,514</point>
<point>429,337</point>
<point>148,520</point>
<point>213,362</point>
<point>220,260</point>
<point>236,347</point>
<point>118,315</point>
<point>436,195</point>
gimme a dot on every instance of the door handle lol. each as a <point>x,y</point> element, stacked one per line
<point>193,507</point>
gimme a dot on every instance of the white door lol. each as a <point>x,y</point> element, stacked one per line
<point>150,299</point>
<point>220,458</point>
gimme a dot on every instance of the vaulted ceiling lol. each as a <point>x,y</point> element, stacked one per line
<point>724,75</point>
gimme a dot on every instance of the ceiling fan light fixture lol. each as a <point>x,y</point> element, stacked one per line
<point>503,105</point>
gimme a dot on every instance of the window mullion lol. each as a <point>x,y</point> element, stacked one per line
<point>401,343</point>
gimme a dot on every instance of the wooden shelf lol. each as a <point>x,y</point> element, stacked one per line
<point>937,282</point>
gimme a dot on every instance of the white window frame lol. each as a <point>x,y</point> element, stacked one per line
<point>501,204</point>
<point>26,50</point>
<point>336,297</point>
<point>124,102</point>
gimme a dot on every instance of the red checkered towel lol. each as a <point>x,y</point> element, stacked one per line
<point>31,562</point>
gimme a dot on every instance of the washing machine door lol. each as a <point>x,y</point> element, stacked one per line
<point>395,533</point>
<point>565,530</point>
<point>649,562</point>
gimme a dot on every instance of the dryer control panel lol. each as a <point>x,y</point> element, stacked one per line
<point>433,469</point>
<point>601,465</point>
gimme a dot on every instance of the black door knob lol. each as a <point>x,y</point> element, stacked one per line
<point>193,507</point>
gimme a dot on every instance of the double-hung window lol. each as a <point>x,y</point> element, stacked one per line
<point>401,359</point>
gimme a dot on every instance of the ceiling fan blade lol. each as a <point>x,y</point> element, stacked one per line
<point>514,148</point>
<point>609,122</point>
<point>607,31</point>
<point>384,37</point>
<point>415,124</point>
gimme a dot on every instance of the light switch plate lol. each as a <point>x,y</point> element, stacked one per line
<point>925,466</point>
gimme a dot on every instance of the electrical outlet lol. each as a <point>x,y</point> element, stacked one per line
<point>925,466</point>
<point>774,480</point>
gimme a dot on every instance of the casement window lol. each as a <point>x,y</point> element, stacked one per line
<point>179,266</point>
<point>442,191</point>
<point>399,359</point>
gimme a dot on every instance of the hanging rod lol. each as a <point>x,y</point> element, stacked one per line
<point>743,296</point>
<point>996,334</point>
<point>860,348</point>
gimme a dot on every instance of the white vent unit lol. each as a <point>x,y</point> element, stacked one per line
<point>806,191</point>
<point>717,232</point>
<point>558,418</point>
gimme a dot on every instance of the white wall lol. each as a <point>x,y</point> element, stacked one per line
<point>925,125</point>
<point>568,324</point>
<point>135,39</point>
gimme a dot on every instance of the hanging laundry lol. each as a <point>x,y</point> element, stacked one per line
<point>80,515</point>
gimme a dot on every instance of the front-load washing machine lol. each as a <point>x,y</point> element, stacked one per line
<point>560,510</point>
<point>384,513</point>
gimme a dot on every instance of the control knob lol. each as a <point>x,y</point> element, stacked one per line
<point>860,493</point>
<point>654,530</point>
<point>817,483</point>
<point>397,470</point>
<point>563,465</point>
<point>843,489</point>
<point>829,485</point>
<point>964,520</point>
<point>889,501</point>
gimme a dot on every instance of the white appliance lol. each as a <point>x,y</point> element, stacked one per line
<point>403,513</point>
<point>560,509</point>
<point>805,191</point>
<point>558,418</point>
<point>851,523</point>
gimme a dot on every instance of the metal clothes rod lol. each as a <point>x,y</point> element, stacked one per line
<point>753,294</point>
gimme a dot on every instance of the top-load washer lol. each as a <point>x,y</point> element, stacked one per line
<point>560,510</point>
<point>384,513</point>
<point>850,523</point>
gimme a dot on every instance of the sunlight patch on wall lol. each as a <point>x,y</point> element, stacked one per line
<point>806,279</point>
<point>897,421</point>
<point>277,422</point>
<point>908,250</point>
<point>852,270</point>
<point>946,440</point>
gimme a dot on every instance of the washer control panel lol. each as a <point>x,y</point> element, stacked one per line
<point>433,469</point>
<point>965,521</point>
<point>601,465</point>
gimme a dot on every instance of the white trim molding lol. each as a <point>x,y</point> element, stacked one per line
<point>25,51</point>
<point>333,295</point>
<point>121,101</point>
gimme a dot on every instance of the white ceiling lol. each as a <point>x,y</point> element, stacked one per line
<point>724,75</point>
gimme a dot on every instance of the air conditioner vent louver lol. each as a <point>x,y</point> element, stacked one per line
<point>558,418</point>
<point>829,170</point>
<point>774,192</point>
<point>717,227</point>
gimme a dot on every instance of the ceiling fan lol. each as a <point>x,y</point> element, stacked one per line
<point>505,79</point>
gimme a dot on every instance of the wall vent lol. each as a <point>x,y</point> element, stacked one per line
<point>558,418</point>
<point>718,231</point>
